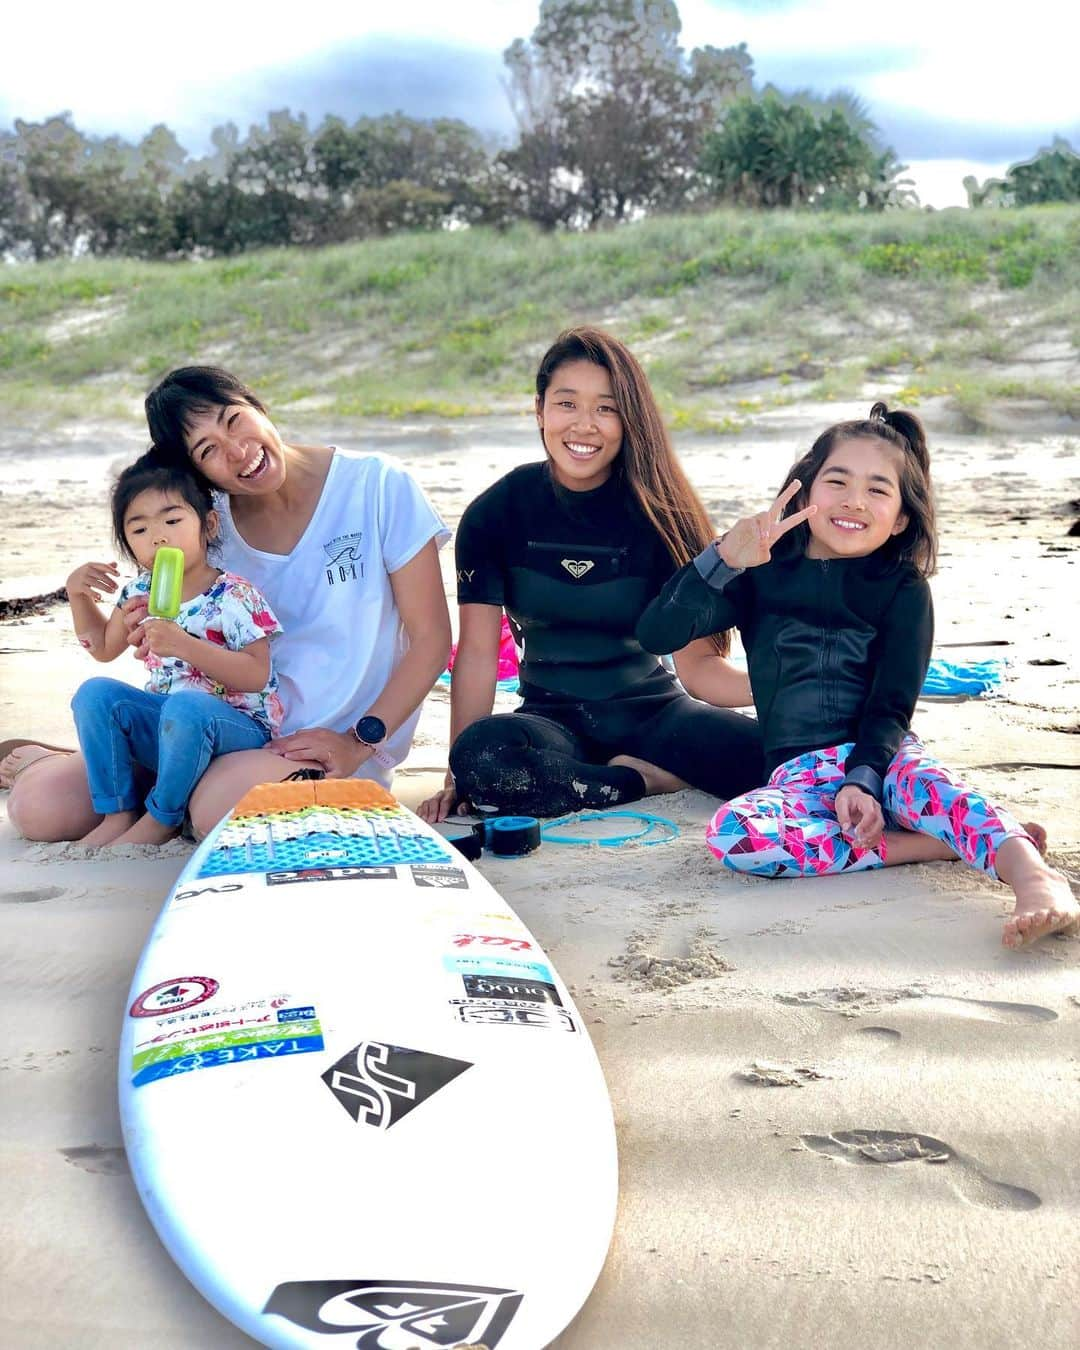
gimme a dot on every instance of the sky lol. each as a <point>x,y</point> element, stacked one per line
<point>954,88</point>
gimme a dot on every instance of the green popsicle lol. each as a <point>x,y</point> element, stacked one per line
<point>166,583</point>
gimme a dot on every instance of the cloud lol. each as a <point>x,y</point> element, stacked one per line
<point>371,77</point>
<point>916,135</point>
<point>825,71</point>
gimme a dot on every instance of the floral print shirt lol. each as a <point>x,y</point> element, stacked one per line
<point>231,614</point>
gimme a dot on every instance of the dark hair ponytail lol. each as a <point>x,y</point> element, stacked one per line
<point>908,426</point>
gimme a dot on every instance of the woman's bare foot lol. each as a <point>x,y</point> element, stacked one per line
<point>20,755</point>
<point>656,779</point>
<point>110,829</point>
<point>1044,899</point>
<point>147,830</point>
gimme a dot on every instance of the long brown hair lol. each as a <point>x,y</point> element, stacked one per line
<point>647,463</point>
<point>917,542</point>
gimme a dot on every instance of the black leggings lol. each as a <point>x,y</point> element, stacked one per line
<point>549,758</point>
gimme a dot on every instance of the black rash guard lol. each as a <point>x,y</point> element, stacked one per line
<point>574,572</point>
<point>837,648</point>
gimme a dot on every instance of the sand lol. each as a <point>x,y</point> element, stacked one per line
<point>847,1116</point>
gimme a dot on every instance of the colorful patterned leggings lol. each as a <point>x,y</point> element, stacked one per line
<point>789,828</point>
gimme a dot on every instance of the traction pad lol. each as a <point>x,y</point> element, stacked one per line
<point>329,823</point>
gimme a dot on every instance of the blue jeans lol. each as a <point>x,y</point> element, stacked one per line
<point>175,736</point>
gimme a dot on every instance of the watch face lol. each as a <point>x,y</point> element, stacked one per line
<point>371,730</point>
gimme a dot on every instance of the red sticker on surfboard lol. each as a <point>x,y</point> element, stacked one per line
<point>174,996</point>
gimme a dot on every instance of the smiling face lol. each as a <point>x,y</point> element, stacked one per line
<point>580,424</point>
<point>155,518</point>
<point>858,500</point>
<point>237,448</point>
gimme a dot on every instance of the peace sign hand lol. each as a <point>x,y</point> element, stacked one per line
<point>749,542</point>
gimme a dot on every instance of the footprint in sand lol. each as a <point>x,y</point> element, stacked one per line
<point>31,896</point>
<point>877,1039</point>
<point>97,1158</point>
<point>892,1146</point>
<point>849,1002</point>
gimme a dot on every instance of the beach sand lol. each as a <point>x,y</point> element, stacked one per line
<point>847,1116</point>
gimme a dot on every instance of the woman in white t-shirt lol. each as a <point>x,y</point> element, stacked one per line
<point>345,548</point>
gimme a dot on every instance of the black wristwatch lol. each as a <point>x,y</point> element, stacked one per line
<point>371,731</point>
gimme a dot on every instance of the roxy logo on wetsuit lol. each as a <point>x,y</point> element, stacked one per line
<point>344,560</point>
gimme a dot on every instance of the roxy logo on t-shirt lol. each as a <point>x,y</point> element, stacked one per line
<point>344,560</point>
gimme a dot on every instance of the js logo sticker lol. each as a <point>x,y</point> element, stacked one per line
<point>390,1316</point>
<point>378,1084</point>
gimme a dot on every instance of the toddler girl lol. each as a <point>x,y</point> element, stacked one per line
<point>211,689</point>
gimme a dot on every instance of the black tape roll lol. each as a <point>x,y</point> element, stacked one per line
<point>512,836</point>
<point>467,839</point>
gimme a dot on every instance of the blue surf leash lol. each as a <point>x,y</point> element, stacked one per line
<point>669,830</point>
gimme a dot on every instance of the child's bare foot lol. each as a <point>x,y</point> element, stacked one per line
<point>1044,905</point>
<point>110,829</point>
<point>147,830</point>
<point>656,779</point>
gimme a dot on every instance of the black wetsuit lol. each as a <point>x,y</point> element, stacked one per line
<point>837,648</point>
<point>574,572</point>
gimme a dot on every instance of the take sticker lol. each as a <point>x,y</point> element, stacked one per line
<point>294,1031</point>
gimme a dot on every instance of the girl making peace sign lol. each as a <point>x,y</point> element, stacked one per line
<point>834,610</point>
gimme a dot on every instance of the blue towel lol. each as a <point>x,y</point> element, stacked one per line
<point>504,686</point>
<point>945,678</point>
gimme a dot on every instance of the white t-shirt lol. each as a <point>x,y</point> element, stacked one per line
<point>343,636</point>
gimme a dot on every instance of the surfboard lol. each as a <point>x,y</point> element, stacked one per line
<point>360,1106</point>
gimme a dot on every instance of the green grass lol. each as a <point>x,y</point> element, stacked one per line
<point>451,324</point>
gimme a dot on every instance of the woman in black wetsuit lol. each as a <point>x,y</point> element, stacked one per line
<point>574,548</point>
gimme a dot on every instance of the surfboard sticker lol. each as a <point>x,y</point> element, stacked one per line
<point>492,965</point>
<point>293,1031</point>
<point>432,1314</point>
<point>174,995</point>
<point>505,1013</point>
<point>500,940</point>
<point>380,1084</point>
<point>452,878</point>
<point>331,874</point>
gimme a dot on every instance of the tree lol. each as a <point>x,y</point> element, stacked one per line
<point>392,172</point>
<point>772,153</point>
<point>1052,175</point>
<point>610,112</point>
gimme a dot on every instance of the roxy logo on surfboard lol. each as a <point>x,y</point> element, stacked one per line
<point>391,1315</point>
<point>378,1084</point>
